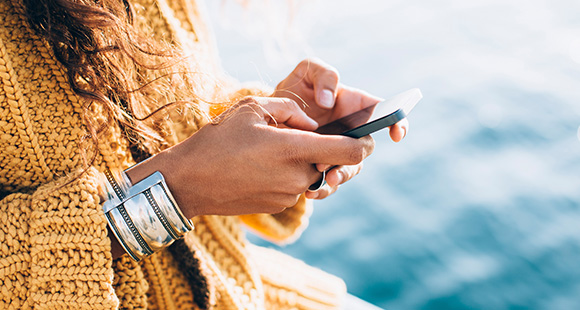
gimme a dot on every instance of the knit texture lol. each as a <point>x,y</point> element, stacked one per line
<point>55,251</point>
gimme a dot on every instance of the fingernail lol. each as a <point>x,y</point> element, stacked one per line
<point>322,167</point>
<point>404,132</point>
<point>326,98</point>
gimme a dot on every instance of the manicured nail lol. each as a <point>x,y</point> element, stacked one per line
<point>325,98</point>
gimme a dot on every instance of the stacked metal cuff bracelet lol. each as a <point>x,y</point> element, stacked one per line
<point>144,217</point>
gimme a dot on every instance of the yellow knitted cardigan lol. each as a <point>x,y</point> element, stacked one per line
<point>54,248</point>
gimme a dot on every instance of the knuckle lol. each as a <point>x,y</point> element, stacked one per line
<point>303,186</point>
<point>347,172</point>
<point>296,184</point>
<point>282,203</point>
<point>260,106</point>
<point>356,155</point>
<point>309,61</point>
<point>332,74</point>
<point>290,104</point>
<point>291,200</point>
<point>329,72</point>
<point>275,209</point>
<point>305,62</point>
<point>248,103</point>
<point>306,179</point>
<point>367,145</point>
<point>303,67</point>
<point>248,100</point>
<point>370,145</point>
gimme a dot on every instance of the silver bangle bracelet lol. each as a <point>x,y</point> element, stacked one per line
<point>165,201</point>
<point>117,184</point>
<point>128,238</point>
<point>144,217</point>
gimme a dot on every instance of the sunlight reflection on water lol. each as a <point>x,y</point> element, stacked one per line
<point>478,208</point>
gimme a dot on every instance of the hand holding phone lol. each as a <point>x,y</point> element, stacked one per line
<point>366,121</point>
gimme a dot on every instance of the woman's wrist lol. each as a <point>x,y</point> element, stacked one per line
<point>164,163</point>
<point>146,168</point>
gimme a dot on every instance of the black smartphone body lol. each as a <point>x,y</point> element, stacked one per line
<point>381,115</point>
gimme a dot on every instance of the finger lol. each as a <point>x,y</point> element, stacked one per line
<point>322,167</point>
<point>285,111</point>
<point>334,178</point>
<point>330,149</point>
<point>322,193</point>
<point>324,80</point>
<point>312,195</point>
<point>399,130</point>
<point>342,174</point>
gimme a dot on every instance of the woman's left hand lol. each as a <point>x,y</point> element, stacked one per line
<point>316,85</point>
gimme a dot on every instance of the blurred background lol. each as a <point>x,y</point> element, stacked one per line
<point>479,206</point>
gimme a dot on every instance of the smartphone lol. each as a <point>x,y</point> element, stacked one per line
<point>381,115</point>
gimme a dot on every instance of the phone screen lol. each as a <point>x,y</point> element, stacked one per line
<point>376,117</point>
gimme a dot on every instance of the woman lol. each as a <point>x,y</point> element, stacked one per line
<point>96,86</point>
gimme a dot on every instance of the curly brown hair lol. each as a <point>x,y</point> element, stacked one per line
<point>109,62</point>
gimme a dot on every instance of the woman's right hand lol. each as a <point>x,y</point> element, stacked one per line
<point>242,164</point>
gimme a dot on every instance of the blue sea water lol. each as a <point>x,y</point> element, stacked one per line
<point>479,206</point>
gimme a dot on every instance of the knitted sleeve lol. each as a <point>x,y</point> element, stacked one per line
<point>296,285</point>
<point>283,227</point>
<point>54,249</point>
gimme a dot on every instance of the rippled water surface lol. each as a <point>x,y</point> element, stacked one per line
<point>479,207</point>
